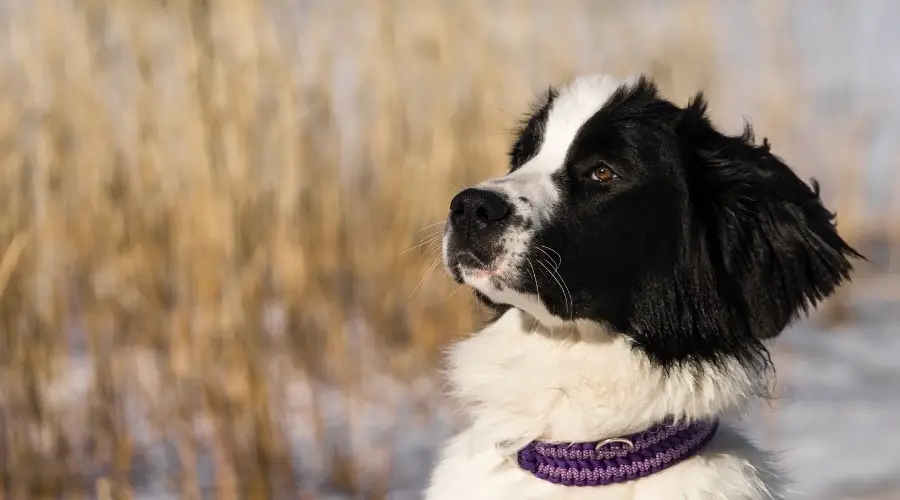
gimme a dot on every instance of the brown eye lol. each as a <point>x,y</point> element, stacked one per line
<point>603,174</point>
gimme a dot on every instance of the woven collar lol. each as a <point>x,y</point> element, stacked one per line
<point>610,461</point>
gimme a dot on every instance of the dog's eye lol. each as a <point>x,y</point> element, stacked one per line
<point>602,173</point>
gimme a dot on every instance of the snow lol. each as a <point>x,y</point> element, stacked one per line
<point>835,422</point>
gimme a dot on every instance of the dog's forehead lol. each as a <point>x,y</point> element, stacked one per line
<point>571,108</point>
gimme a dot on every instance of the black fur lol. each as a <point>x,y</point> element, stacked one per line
<point>704,245</point>
<point>530,133</point>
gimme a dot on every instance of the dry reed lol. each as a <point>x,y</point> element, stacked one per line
<point>206,211</point>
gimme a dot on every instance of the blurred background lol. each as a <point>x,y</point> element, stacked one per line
<point>219,272</point>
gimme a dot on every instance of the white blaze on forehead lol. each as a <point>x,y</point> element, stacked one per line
<point>574,105</point>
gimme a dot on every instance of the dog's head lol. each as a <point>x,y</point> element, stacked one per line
<point>625,209</point>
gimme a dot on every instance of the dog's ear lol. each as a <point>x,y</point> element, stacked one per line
<point>767,231</point>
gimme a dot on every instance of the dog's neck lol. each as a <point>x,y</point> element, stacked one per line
<point>521,381</point>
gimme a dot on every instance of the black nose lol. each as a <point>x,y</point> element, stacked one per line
<point>478,205</point>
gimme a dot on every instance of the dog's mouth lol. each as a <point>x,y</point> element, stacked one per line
<point>501,281</point>
<point>467,267</point>
<point>479,275</point>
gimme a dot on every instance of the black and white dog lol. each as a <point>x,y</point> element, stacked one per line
<point>637,259</point>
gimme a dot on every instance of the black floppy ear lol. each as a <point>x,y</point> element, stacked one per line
<point>765,228</point>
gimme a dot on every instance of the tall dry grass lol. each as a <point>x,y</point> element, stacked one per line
<point>218,221</point>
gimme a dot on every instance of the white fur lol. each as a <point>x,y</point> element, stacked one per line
<point>520,381</point>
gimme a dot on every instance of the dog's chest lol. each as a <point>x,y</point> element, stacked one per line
<point>520,386</point>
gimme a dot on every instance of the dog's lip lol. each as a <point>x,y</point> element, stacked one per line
<point>469,260</point>
<point>470,265</point>
<point>478,273</point>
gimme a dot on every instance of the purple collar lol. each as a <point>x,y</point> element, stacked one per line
<point>610,461</point>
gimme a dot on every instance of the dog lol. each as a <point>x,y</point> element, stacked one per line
<point>638,260</point>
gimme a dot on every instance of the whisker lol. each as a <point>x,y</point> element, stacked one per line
<point>537,289</point>
<point>432,225</point>
<point>568,292</point>
<point>554,251</point>
<point>425,278</point>
<point>552,275</point>
<point>428,239</point>
<point>433,251</point>
<point>556,270</point>
<point>439,232</point>
<point>567,295</point>
<point>549,257</point>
